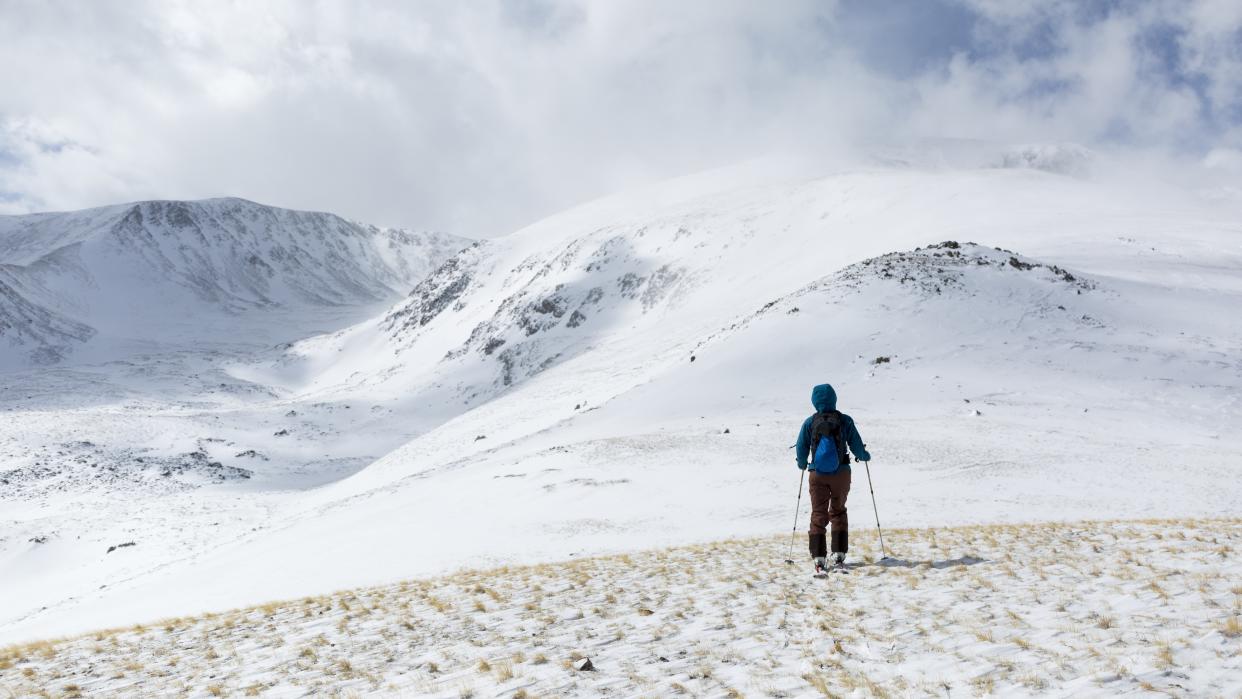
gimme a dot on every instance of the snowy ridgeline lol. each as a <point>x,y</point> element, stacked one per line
<point>467,331</point>
<point>1080,609</point>
<point>542,331</point>
<point>160,270</point>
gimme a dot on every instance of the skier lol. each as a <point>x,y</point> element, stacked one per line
<point>824,437</point>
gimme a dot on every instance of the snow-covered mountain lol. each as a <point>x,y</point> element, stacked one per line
<point>191,272</point>
<point>631,373</point>
<point>640,286</point>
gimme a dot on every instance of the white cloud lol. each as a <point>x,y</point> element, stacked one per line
<point>477,117</point>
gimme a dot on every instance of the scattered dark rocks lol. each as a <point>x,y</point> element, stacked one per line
<point>881,360</point>
<point>509,359</point>
<point>543,314</point>
<point>629,284</point>
<point>552,304</point>
<point>435,293</point>
<point>662,283</point>
<point>83,465</point>
<point>120,546</point>
<point>584,665</point>
<point>281,433</point>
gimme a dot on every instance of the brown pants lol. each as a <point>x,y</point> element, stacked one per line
<point>828,494</point>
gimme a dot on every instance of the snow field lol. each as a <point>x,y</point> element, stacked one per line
<point>1060,609</point>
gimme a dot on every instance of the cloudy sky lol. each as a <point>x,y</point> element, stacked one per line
<point>479,116</point>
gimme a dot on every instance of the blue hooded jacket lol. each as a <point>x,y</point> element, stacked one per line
<point>824,398</point>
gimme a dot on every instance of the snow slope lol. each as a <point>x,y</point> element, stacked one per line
<point>189,272</point>
<point>631,373</point>
<point>975,611</point>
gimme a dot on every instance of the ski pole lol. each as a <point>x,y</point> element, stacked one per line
<point>874,509</point>
<point>794,532</point>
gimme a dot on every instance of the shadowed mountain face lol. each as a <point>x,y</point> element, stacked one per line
<point>160,270</point>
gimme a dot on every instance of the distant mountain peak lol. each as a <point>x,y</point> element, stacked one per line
<point>136,269</point>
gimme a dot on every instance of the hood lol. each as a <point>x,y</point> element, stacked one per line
<point>823,397</point>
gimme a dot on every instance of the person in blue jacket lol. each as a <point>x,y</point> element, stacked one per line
<point>823,439</point>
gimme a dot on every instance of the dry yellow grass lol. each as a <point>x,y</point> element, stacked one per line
<point>1232,627</point>
<point>686,619</point>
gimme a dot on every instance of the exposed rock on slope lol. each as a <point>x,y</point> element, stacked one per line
<point>82,466</point>
<point>549,305</point>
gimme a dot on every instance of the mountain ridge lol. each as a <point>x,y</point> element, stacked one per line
<point>102,267</point>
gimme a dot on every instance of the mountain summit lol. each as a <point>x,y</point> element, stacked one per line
<point>139,272</point>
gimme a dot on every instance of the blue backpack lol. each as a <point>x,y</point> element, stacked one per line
<point>828,442</point>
